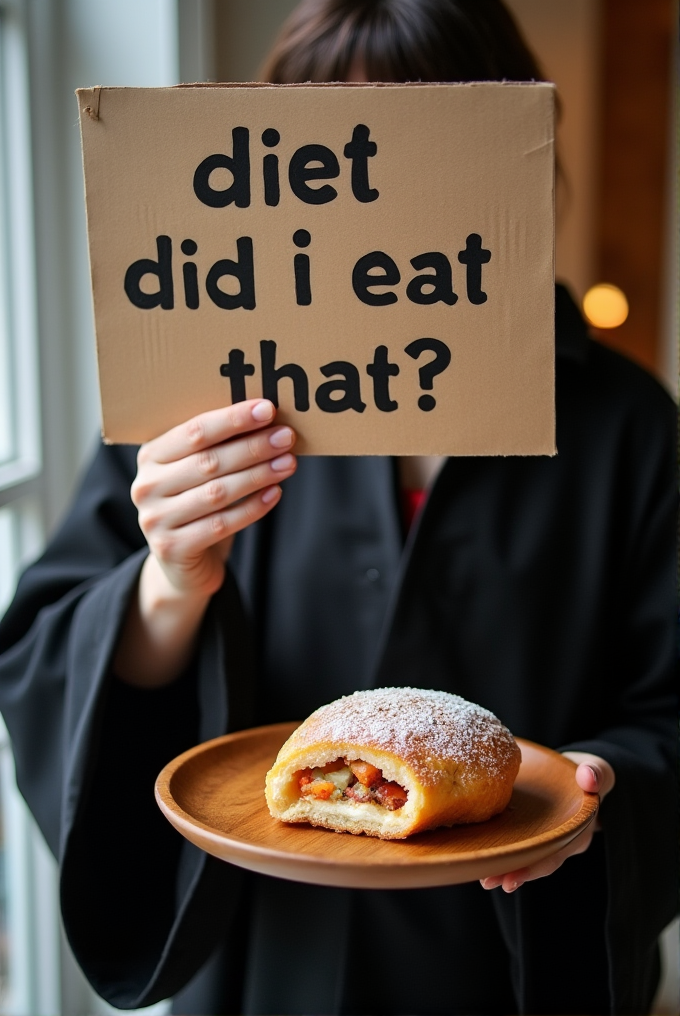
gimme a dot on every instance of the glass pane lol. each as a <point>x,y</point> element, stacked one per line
<point>6,442</point>
<point>7,580</point>
<point>6,387</point>
<point>8,556</point>
<point>4,963</point>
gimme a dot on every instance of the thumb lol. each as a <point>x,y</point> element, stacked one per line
<point>593,774</point>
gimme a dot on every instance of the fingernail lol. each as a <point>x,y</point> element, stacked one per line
<point>490,883</point>
<point>270,494</point>
<point>596,775</point>
<point>262,411</point>
<point>511,887</point>
<point>282,463</point>
<point>281,438</point>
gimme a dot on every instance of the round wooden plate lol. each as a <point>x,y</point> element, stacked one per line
<point>214,795</point>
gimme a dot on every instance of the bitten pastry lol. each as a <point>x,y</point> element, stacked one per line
<point>394,761</point>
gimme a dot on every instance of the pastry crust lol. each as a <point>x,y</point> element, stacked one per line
<point>456,761</point>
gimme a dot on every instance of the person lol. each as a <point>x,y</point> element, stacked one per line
<point>187,594</point>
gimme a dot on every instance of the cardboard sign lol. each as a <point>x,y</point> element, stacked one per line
<point>376,260</point>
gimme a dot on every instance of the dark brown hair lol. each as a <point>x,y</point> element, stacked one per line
<point>401,40</point>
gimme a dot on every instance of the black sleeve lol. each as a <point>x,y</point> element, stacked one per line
<point>639,818</point>
<point>636,851</point>
<point>141,908</point>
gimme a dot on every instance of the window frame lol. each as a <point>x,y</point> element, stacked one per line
<point>20,475</point>
<point>30,875</point>
<point>54,409</point>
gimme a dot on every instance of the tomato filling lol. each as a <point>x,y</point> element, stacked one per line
<point>353,781</point>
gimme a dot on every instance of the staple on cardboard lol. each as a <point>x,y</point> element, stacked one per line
<point>93,110</point>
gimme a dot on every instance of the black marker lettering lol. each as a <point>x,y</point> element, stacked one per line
<point>349,385</point>
<point>270,173</point>
<point>360,150</point>
<point>238,164</point>
<point>190,275</point>
<point>300,171</point>
<point>237,370</point>
<point>363,282</point>
<point>162,269</point>
<point>440,284</point>
<point>242,270</point>
<point>381,370</point>
<point>473,257</point>
<point>303,287</point>
<point>271,375</point>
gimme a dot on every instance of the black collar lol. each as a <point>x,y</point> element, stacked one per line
<point>571,330</point>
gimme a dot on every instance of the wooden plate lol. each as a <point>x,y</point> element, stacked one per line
<point>214,795</point>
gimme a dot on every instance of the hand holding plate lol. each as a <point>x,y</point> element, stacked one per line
<point>594,775</point>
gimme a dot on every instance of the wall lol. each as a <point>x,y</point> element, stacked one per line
<point>636,54</point>
<point>244,31</point>
<point>565,36</point>
<point>612,61</point>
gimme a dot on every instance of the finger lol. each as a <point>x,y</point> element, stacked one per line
<point>595,779</point>
<point>588,778</point>
<point>232,456</point>
<point>195,538</point>
<point>549,864</point>
<point>512,880</point>
<point>214,496</point>
<point>208,429</point>
<point>591,779</point>
<point>593,774</point>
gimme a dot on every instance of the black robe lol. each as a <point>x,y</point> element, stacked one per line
<point>541,588</point>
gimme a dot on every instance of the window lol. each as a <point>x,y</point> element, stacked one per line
<point>19,405</point>
<point>48,47</point>
<point>29,980</point>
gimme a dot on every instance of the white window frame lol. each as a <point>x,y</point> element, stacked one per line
<point>18,476</point>
<point>30,881</point>
<point>35,482</point>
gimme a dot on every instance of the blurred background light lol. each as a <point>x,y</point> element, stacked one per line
<point>605,306</point>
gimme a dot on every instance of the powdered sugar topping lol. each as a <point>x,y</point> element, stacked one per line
<point>428,729</point>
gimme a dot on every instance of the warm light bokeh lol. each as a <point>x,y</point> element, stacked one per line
<point>605,306</point>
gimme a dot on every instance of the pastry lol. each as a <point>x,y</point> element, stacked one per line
<point>394,761</point>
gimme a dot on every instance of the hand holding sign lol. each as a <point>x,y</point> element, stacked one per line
<point>196,486</point>
<point>202,482</point>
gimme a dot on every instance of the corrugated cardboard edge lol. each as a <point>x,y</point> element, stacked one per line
<point>89,106</point>
<point>87,93</point>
